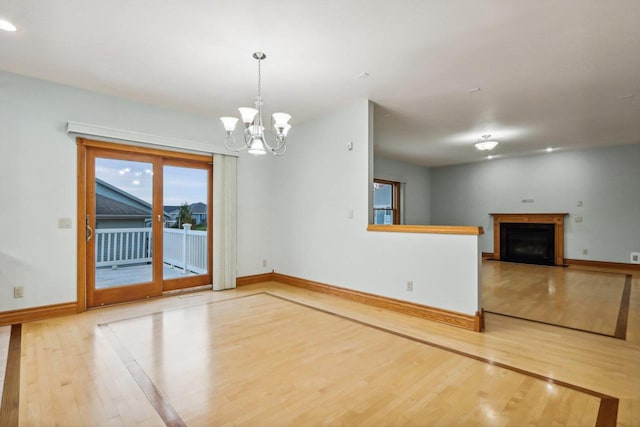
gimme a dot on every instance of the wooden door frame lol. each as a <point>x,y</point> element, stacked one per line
<point>173,157</point>
<point>174,284</point>
<point>130,291</point>
<point>395,197</point>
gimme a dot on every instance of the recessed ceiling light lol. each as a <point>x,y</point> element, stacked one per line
<point>7,26</point>
<point>475,89</point>
<point>362,75</point>
<point>549,149</point>
<point>486,144</point>
<point>627,96</point>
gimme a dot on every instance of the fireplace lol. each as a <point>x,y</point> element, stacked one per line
<point>529,238</point>
<point>527,243</point>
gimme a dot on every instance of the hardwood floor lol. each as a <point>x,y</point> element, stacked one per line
<point>242,357</point>
<point>580,299</point>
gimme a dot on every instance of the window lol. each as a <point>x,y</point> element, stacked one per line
<point>386,202</point>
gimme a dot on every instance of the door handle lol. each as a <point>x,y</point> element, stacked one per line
<point>89,230</point>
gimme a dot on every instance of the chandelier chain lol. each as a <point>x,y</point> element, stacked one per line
<point>259,77</point>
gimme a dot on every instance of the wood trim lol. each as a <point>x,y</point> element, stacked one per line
<point>603,264</point>
<point>428,229</point>
<point>608,412</point>
<point>159,402</point>
<point>81,241</point>
<point>395,198</point>
<point>256,278</point>
<point>465,321</point>
<point>623,312</point>
<point>537,218</point>
<point>10,405</point>
<point>162,152</point>
<point>200,279</point>
<point>37,313</point>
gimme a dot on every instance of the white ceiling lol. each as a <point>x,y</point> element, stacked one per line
<point>552,73</point>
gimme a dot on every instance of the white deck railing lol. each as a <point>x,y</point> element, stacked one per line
<point>121,246</point>
<point>184,248</point>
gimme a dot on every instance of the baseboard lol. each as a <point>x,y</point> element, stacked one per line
<point>37,313</point>
<point>603,264</point>
<point>465,321</point>
<point>487,255</point>
<point>252,280</point>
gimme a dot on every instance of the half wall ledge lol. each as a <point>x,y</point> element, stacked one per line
<point>429,229</point>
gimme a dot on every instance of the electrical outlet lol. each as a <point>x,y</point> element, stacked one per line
<point>264,262</point>
<point>578,219</point>
<point>18,291</point>
<point>410,286</point>
<point>585,252</point>
<point>635,257</point>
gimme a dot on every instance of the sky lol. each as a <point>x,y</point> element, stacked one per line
<point>180,184</point>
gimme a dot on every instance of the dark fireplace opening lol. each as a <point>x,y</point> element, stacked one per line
<point>527,243</point>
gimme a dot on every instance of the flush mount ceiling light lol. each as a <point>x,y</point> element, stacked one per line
<point>7,26</point>
<point>486,144</point>
<point>254,137</point>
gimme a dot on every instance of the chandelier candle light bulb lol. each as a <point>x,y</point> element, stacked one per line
<point>254,138</point>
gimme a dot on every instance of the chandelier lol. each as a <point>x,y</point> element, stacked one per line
<point>254,136</point>
<point>486,144</point>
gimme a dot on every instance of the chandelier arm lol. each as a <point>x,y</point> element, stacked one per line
<point>280,142</point>
<point>247,137</point>
<point>279,151</point>
<point>231,147</point>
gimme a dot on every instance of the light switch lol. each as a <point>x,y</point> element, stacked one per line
<point>350,214</point>
<point>64,222</point>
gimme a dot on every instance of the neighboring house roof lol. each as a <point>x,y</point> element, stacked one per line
<point>107,207</point>
<point>194,208</point>
<point>113,202</point>
<point>171,209</point>
<point>198,208</point>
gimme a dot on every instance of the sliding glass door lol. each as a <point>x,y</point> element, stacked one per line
<point>146,215</point>
<point>186,232</point>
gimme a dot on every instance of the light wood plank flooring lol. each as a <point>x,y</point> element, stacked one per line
<point>260,360</point>
<point>579,299</point>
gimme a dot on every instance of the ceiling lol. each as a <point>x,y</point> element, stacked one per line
<point>561,74</point>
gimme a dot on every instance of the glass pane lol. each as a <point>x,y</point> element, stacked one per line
<point>185,222</point>
<point>123,235</point>
<point>382,203</point>
<point>383,216</point>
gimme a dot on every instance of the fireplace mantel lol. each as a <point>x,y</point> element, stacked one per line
<point>535,218</point>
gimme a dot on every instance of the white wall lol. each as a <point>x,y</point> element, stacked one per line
<point>606,180</point>
<point>38,182</point>
<point>416,182</point>
<point>293,211</point>
<point>318,182</point>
